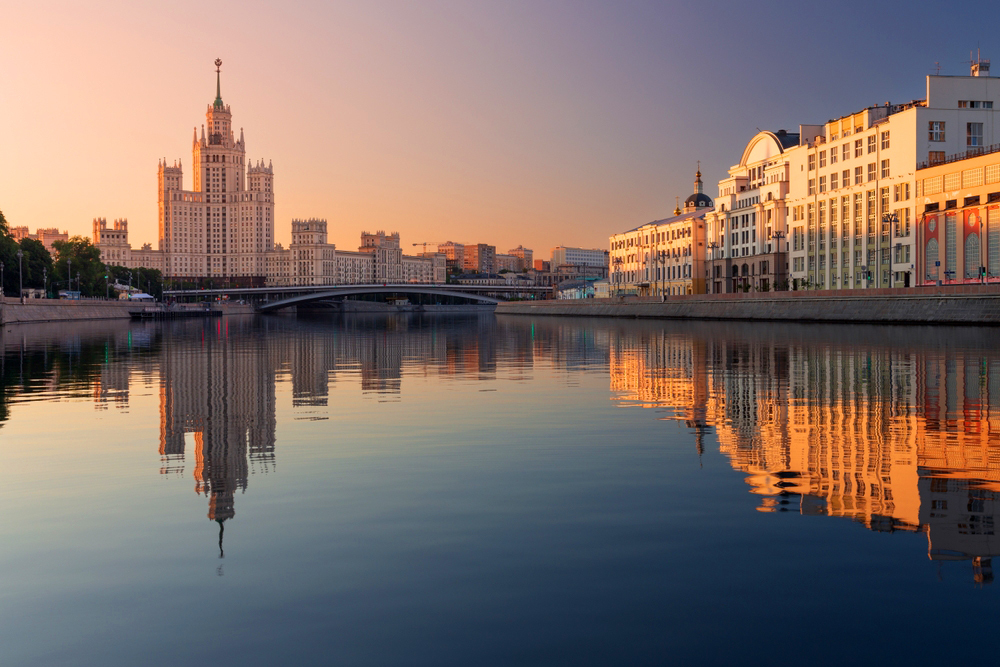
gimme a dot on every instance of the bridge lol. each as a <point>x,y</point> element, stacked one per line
<point>269,299</point>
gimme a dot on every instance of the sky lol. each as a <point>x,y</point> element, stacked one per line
<point>537,123</point>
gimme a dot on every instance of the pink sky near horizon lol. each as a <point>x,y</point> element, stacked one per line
<point>534,123</point>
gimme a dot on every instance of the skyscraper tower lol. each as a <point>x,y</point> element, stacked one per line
<point>222,226</point>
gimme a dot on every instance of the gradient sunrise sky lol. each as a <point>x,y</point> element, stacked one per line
<point>537,123</point>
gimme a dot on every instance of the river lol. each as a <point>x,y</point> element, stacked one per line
<point>496,490</point>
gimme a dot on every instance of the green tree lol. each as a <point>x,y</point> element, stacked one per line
<point>35,262</point>
<point>86,261</point>
<point>8,255</point>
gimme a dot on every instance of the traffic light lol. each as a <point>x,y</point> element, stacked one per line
<point>982,271</point>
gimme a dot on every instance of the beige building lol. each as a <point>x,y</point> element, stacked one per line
<point>663,257</point>
<point>312,260</point>
<point>222,227</point>
<point>523,254</point>
<point>115,249</point>
<point>47,236</point>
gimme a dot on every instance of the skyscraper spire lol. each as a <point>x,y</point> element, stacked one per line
<point>218,82</point>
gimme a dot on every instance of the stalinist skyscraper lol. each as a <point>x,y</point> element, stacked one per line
<point>224,225</point>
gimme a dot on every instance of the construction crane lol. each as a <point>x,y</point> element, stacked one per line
<point>427,243</point>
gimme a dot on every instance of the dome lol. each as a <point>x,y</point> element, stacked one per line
<point>699,200</point>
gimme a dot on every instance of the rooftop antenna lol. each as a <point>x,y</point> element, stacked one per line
<point>937,68</point>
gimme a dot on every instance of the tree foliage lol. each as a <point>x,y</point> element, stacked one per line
<point>80,258</point>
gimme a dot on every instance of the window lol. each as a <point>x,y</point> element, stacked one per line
<point>859,149</point>
<point>845,151</point>
<point>833,181</point>
<point>973,134</point>
<point>822,183</point>
<point>963,104</point>
<point>833,155</point>
<point>885,140</point>
<point>859,175</point>
<point>871,143</point>
<point>885,169</point>
<point>812,161</point>
<point>846,177</point>
<point>822,158</point>
<point>935,130</point>
<point>935,157</point>
<point>871,171</point>
<point>812,185</point>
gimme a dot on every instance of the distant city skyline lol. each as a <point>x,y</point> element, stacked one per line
<point>514,124</point>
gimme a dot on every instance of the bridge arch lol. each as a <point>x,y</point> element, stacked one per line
<point>352,290</point>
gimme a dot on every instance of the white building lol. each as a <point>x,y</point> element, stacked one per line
<point>566,256</point>
<point>744,250</point>
<point>853,187</point>
<point>664,257</point>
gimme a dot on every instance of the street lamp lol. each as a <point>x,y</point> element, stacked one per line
<point>45,281</point>
<point>777,236</point>
<point>69,274</point>
<point>618,274</point>
<point>78,282</point>
<point>892,220</point>
<point>20,275</point>
<point>712,246</point>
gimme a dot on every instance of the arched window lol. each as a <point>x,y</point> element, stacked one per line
<point>972,257</point>
<point>931,256</point>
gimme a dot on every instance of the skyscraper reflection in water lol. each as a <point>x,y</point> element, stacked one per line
<point>839,421</point>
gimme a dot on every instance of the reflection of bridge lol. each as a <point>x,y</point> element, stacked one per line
<point>267,299</point>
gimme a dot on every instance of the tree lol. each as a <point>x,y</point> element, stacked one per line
<point>8,255</point>
<point>86,261</point>
<point>35,262</point>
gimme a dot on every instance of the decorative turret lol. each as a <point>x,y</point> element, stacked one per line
<point>699,199</point>
<point>218,83</point>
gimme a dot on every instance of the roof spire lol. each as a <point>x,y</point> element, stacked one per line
<point>677,210</point>
<point>218,82</point>
<point>699,187</point>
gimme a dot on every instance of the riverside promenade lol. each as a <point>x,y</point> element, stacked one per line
<point>950,304</point>
<point>12,311</point>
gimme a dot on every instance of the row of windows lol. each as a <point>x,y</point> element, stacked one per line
<point>873,142</point>
<point>973,132</point>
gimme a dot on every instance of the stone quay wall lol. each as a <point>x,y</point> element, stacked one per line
<point>959,304</point>
<point>12,311</point>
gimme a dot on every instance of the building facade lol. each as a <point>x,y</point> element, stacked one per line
<point>958,227</point>
<point>567,256</point>
<point>664,257</point>
<point>222,227</point>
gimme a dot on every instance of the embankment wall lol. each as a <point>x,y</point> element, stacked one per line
<point>12,311</point>
<point>959,305</point>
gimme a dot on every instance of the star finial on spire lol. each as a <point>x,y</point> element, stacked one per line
<point>218,82</point>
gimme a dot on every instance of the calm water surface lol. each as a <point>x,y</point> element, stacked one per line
<point>495,491</point>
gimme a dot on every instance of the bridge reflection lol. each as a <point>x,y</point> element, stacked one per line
<point>839,421</point>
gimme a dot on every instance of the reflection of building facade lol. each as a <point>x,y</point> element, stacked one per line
<point>894,440</point>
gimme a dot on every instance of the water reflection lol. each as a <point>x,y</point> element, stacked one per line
<point>839,421</point>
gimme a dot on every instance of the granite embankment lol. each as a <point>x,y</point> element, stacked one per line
<point>965,304</point>
<point>56,310</point>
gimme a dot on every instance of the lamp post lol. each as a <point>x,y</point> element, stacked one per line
<point>777,236</point>
<point>78,282</point>
<point>45,281</point>
<point>69,274</point>
<point>618,275</point>
<point>20,275</point>
<point>711,277</point>
<point>892,219</point>
<point>1,278</point>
